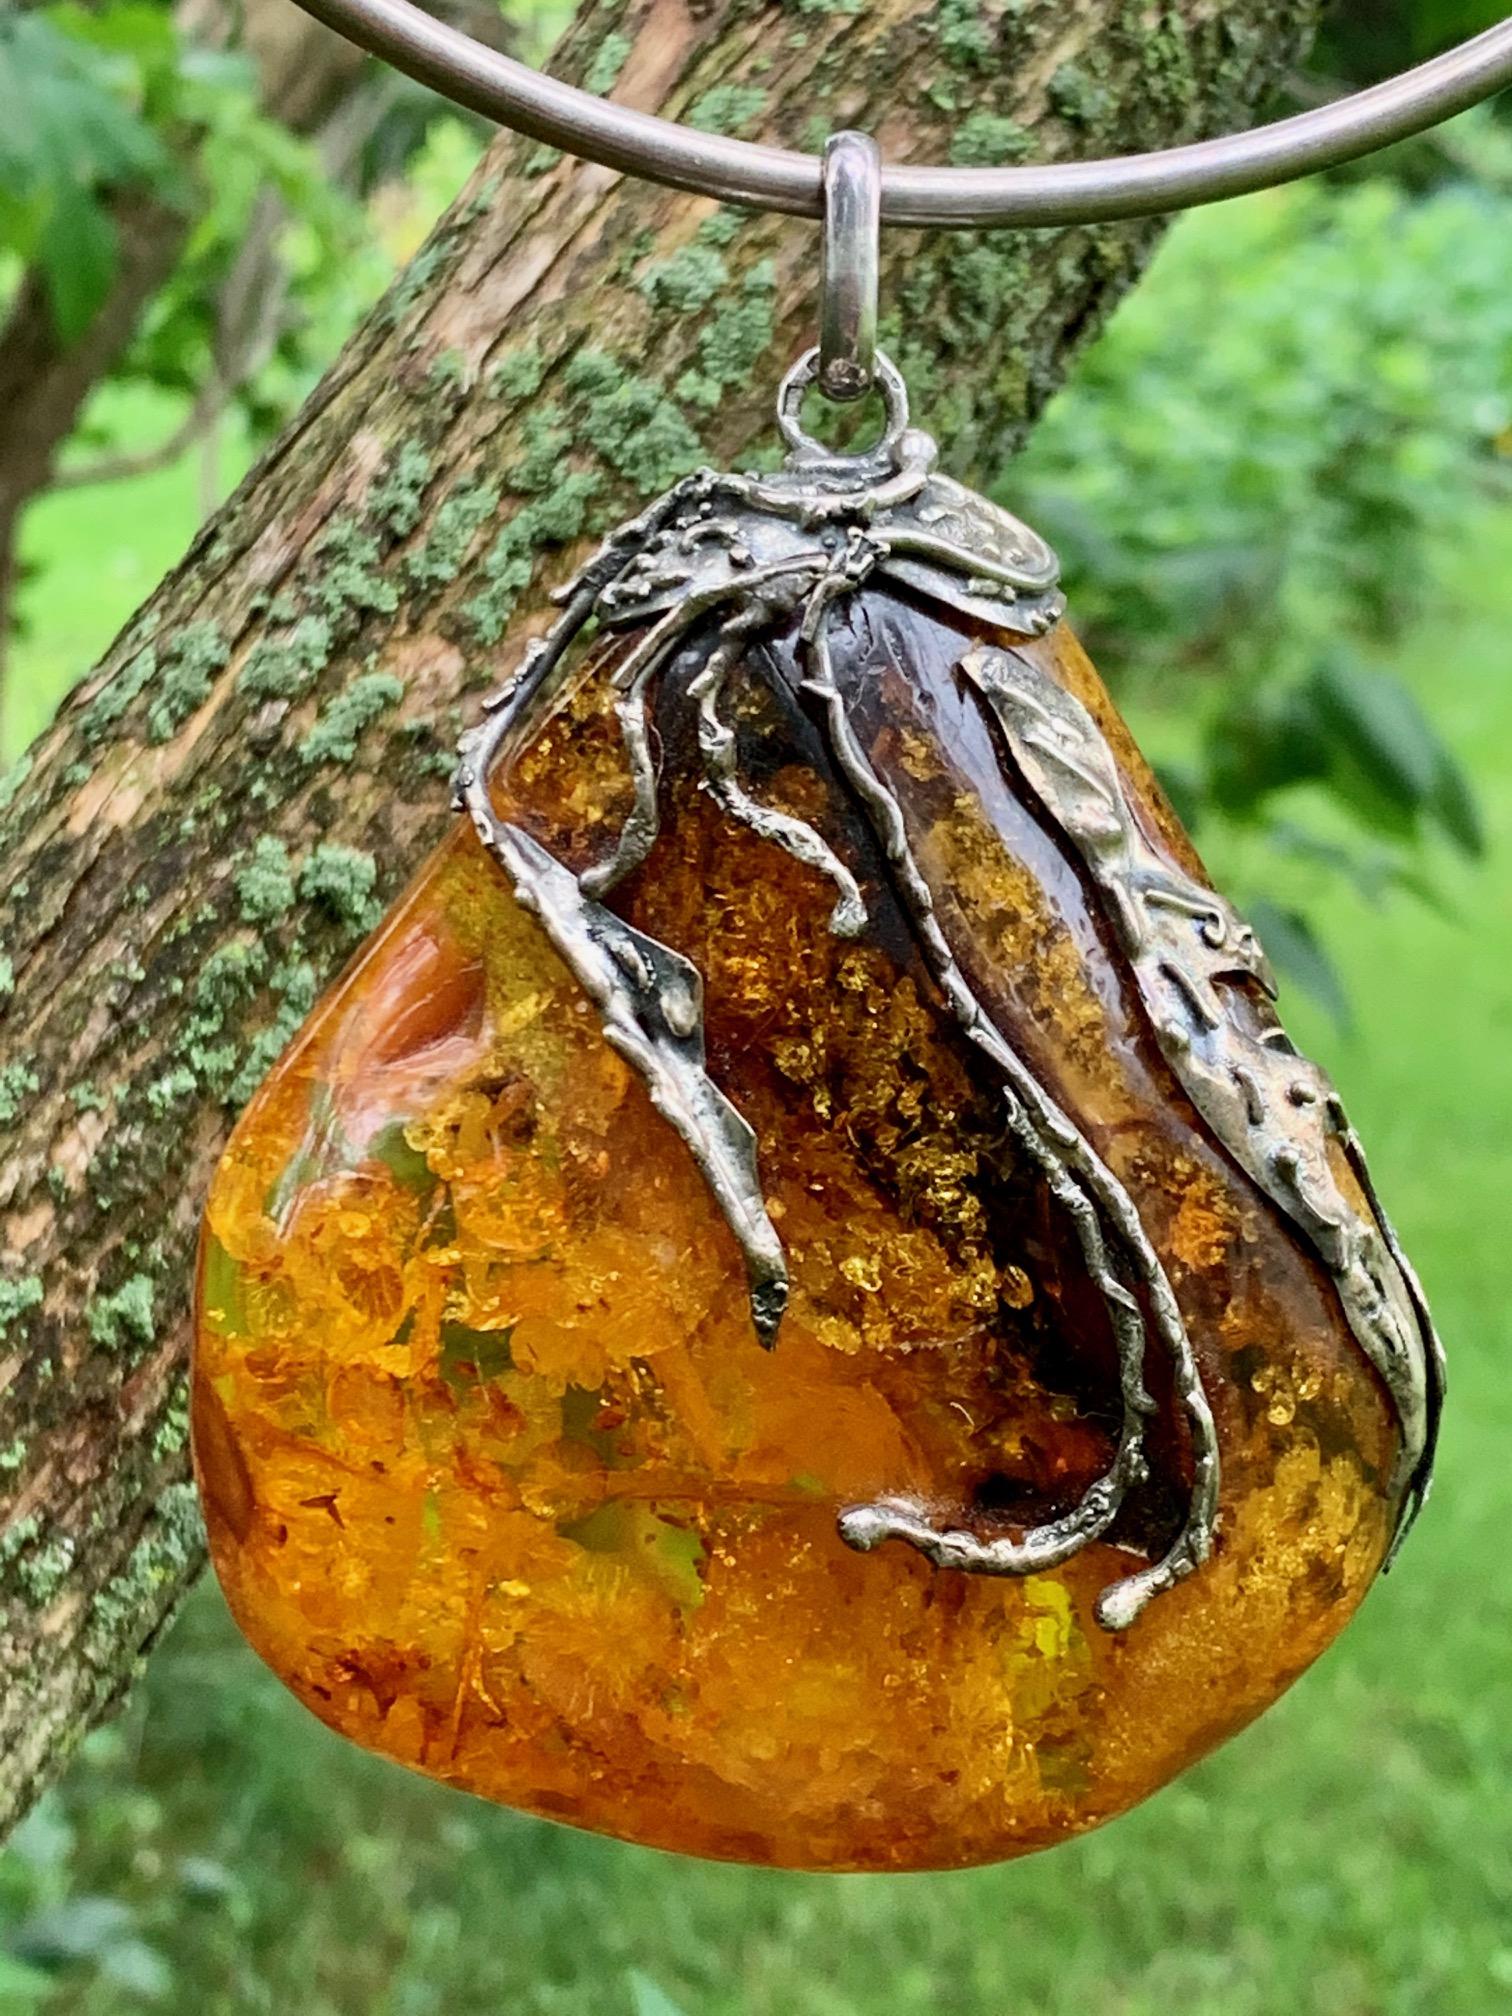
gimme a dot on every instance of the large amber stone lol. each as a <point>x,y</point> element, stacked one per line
<point>500,1480</point>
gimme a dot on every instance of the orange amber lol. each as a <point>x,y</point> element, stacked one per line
<point>499,1478</point>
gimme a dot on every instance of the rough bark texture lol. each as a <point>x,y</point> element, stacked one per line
<point>222,808</point>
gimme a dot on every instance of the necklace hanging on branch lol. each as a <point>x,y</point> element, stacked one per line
<point>797,1303</point>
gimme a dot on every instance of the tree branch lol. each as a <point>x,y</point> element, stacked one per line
<point>249,311</point>
<point>304,71</point>
<point>249,320</point>
<point>43,383</point>
<point>565,344</point>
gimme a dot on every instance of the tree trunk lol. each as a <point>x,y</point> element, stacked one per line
<point>220,810</point>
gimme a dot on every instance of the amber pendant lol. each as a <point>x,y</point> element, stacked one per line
<point>796,1303</point>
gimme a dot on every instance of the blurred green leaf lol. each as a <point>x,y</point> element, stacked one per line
<point>77,253</point>
<point>138,1968</point>
<point>1252,506</point>
<point>74,92</point>
<point>74,111</point>
<point>84,1928</point>
<point>22,1988</point>
<point>1454,804</point>
<point>1373,715</point>
<point>1265,742</point>
<point>1437,23</point>
<point>1297,955</point>
<point>44,1839</point>
<point>647,1999</point>
<point>130,28</point>
<point>204,1879</point>
<point>1379,730</point>
<point>1183,784</point>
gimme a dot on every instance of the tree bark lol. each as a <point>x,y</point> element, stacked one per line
<point>221,809</point>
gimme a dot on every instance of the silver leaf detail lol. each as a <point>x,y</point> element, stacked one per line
<point>1207,988</point>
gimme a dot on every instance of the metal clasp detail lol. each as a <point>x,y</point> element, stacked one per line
<point>849,262</point>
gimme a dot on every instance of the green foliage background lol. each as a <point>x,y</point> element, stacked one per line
<point>99,99</point>
<point>1281,485</point>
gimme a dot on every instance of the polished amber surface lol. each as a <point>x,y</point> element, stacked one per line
<point>498,1477</point>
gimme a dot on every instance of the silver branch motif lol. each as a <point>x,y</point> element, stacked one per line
<point>718,562</point>
<point>650,1001</point>
<point>1208,990</point>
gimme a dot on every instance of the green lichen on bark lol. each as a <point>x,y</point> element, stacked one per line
<point>333,739</point>
<point>1076,95</point>
<point>116,696</point>
<point>285,668</point>
<point>608,61</point>
<point>341,880</point>
<point>987,140</point>
<point>398,500</point>
<point>293,985</point>
<point>189,666</point>
<point>126,1317</point>
<point>468,506</point>
<point>518,373</point>
<point>686,280</point>
<point>166,1553</point>
<point>350,582</point>
<point>733,339</point>
<point>18,1080</point>
<point>13,779</point>
<point>727,108</point>
<point>634,425</point>
<point>509,566</point>
<point>35,1562</point>
<point>16,1299</point>
<point>265,883</point>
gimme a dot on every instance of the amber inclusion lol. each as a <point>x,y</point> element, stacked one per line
<point>501,1481</point>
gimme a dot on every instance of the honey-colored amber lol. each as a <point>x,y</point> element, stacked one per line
<point>498,1477</point>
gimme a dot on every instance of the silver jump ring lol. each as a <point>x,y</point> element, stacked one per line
<point>1059,192</point>
<point>889,382</point>
<point>850,255</point>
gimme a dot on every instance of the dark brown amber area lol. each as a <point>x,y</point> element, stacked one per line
<point>499,1478</point>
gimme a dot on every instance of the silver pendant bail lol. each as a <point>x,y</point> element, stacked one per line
<point>850,256</point>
